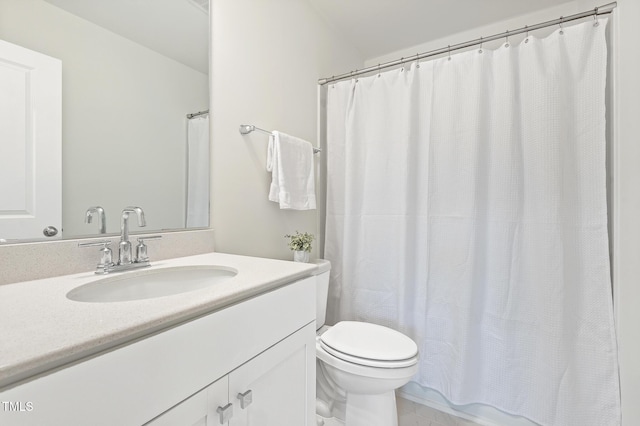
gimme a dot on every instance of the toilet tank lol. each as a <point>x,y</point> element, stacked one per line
<point>322,290</point>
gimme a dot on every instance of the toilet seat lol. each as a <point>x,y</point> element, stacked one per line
<point>368,362</point>
<point>364,370</point>
<point>369,345</point>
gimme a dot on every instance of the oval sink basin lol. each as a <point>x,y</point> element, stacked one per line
<point>151,283</point>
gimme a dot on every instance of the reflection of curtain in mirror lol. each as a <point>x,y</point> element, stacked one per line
<point>198,172</point>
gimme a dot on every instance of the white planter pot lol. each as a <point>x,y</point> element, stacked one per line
<point>300,256</point>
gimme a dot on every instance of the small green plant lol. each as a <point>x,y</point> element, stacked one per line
<point>300,242</point>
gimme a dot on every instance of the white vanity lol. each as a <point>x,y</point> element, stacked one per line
<point>240,352</point>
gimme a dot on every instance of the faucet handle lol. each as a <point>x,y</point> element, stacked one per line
<point>104,243</point>
<point>106,258</point>
<point>141,248</point>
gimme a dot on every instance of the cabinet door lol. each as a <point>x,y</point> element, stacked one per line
<point>277,387</point>
<point>197,410</point>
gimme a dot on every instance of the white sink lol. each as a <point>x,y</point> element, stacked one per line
<point>151,283</point>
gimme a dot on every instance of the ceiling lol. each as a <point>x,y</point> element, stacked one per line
<point>178,29</point>
<point>379,27</point>
<point>373,27</point>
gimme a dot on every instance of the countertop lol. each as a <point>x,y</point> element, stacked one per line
<point>41,330</point>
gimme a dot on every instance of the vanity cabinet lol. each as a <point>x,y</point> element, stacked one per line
<point>268,390</point>
<point>199,409</point>
<point>262,347</point>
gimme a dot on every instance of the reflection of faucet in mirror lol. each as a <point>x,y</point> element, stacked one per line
<point>102,220</point>
<point>124,257</point>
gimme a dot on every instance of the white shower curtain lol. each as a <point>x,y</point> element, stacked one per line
<point>467,208</point>
<point>197,214</point>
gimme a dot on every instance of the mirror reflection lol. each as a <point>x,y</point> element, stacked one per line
<point>134,132</point>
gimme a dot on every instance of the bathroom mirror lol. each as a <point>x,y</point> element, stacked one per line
<point>132,71</point>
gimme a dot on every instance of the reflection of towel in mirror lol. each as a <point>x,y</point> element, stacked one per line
<point>290,161</point>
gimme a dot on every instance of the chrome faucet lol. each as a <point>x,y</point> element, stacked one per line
<point>102,220</point>
<point>124,256</point>
<point>125,261</point>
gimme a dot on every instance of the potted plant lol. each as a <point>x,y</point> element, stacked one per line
<point>301,246</point>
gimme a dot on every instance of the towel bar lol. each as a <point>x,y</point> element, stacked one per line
<point>245,129</point>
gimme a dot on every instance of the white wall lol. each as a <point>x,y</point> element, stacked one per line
<point>118,149</point>
<point>267,58</point>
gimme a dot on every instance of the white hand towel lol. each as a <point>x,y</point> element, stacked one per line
<point>290,161</point>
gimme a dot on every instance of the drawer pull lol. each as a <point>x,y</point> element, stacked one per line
<point>225,413</point>
<point>245,399</point>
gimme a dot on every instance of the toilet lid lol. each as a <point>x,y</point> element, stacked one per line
<point>369,344</point>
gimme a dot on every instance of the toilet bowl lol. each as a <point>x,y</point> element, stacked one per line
<point>359,366</point>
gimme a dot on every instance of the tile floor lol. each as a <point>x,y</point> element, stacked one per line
<point>412,414</point>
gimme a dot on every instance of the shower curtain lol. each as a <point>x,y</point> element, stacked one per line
<point>197,214</point>
<point>466,207</point>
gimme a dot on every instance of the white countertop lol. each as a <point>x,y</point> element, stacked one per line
<point>40,329</point>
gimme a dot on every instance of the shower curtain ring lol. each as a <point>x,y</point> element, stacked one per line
<point>506,44</point>
<point>378,70</point>
<point>417,60</point>
<point>595,17</point>
<point>560,24</point>
<point>526,39</point>
<point>480,50</point>
<point>449,51</point>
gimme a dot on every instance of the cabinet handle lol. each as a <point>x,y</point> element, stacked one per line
<point>245,399</point>
<point>225,412</point>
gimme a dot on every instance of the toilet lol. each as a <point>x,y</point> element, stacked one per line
<point>359,366</point>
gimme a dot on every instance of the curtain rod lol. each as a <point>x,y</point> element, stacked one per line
<point>602,10</point>
<point>196,114</point>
